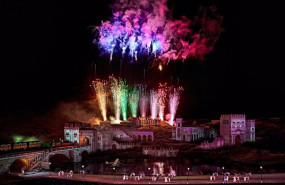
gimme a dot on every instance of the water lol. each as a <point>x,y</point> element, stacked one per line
<point>102,168</point>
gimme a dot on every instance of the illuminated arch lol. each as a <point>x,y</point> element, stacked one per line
<point>18,165</point>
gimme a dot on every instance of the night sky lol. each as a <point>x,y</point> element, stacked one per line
<point>47,57</point>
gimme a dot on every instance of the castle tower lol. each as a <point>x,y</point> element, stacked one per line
<point>250,131</point>
<point>178,129</point>
<point>233,128</point>
<point>71,132</point>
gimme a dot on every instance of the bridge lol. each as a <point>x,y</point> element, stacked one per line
<point>41,158</point>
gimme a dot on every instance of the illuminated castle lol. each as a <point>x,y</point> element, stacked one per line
<point>183,132</point>
<point>106,136</point>
<point>235,129</point>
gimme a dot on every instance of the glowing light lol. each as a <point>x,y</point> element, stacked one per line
<point>134,97</point>
<point>146,27</point>
<point>136,55</point>
<point>162,92</point>
<point>124,99</point>
<point>153,104</point>
<point>174,96</point>
<point>112,50</point>
<point>18,139</point>
<point>101,94</point>
<point>116,91</point>
<point>143,102</point>
<point>124,96</point>
<point>160,67</point>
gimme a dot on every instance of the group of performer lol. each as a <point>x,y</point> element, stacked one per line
<point>236,177</point>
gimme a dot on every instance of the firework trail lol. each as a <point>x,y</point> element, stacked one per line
<point>134,97</point>
<point>116,91</point>
<point>162,93</point>
<point>174,96</point>
<point>143,103</point>
<point>101,93</point>
<point>124,99</point>
<point>144,28</point>
<point>153,96</point>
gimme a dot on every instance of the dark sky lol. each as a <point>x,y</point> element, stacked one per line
<point>47,57</point>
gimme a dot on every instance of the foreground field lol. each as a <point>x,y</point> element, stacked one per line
<point>46,179</point>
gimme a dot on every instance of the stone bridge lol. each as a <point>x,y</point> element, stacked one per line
<point>40,158</point>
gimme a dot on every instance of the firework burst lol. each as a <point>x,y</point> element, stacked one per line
<point>174,96</point>
<point>144,28</point>
<point>153,96</point>
<point>100,88</point>
<point>143,102</point>
<point>162,93</point>
<point>134,97</point>
<point>116,91</point>
<point>124,99</point>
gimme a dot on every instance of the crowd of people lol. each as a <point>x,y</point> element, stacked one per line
<point>69,174</point>
<point>141,176</point>
<point>237,177</point>
<point>134,176</point>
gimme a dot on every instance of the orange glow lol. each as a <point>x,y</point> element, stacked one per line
<point>160,67</point>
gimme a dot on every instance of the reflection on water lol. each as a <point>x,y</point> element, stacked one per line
<point>147,168</point>
<point>150,168</point>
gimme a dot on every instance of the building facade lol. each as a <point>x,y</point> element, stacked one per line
<point>106,136</point>
<point>191,133</point>
<point>235,129</point>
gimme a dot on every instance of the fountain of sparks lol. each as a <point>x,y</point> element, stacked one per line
<point>134,97</point>
<point>174,96</point>
<point>100,88</point>
<point>162,93</point>
<point>143,102</point>
<point>116,91</point>
<point>153,98</point>
<point>124,99</point>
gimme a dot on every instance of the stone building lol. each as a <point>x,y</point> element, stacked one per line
<point>82,134</point>
<point>235,129</point>
<point>144,122</point>
<point>106,136</point>
<point>191,132</point>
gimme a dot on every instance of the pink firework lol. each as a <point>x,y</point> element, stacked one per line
<point>153,96</point>
<point>174,96</point>
<point>144,99</point>
<point>162,93</point>
<point>145,27</point>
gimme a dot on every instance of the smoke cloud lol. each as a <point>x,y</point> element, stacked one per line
<point>146,27</point>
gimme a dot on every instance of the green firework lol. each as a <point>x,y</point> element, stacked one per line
<point>124,99</point>
<point>134,97</point>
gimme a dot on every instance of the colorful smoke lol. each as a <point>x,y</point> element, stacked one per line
<point>101,94</point>
<point>174,96</point>
<point>145,28</point>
